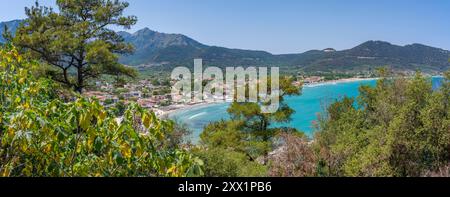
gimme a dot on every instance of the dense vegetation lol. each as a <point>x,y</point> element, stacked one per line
<point>242,145</point>
<point>43,135</point>
<point>400,127</point>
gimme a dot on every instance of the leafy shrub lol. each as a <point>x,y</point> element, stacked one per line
<point>401,127</point>
<point>221,162</point>
<point>41,135</point>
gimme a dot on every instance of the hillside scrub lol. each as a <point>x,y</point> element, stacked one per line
<point>401,127</point>
<point>42,135</point>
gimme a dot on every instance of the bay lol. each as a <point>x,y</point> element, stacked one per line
<point>308,106</point>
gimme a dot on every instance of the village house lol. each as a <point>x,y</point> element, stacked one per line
<point>313,79</point>
<point>101,96</point>
<point>147,103</point>
<point>132,94</point>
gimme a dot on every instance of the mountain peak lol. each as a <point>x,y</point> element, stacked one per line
<point>144,31</point>
<point>146,37</point>
<point>372,43</point>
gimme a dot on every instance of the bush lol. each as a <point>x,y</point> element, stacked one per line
<point>401,127</point>
<point>227,163</point>
<point>41,135</point>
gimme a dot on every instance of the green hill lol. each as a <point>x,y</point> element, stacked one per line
<point>155,50</point>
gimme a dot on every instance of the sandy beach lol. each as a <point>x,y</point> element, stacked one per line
<point>346,80</point>
<point>183,107</point>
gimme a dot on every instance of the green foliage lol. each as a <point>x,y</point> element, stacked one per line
<point>401,127</point>
<point>231,135</point>
<point>240,146</point>
<point>76,40</point>
<point>228,163</point>
<point>229,151</point>
<point>119,109</point>
<point>258,123</point>
<point>43,136</point>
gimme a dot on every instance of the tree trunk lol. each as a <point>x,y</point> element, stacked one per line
<point>79,86</point>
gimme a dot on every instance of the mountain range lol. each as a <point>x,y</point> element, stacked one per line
<point>12,27</point>
<point>160,50</point>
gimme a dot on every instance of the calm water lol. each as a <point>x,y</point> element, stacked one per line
<point>308,106</point>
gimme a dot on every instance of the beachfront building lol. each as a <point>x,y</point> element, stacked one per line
<point>313,79</point>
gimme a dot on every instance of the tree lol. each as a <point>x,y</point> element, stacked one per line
<point>257,122</point>
<point>232,136</point>
<point>220,162</point>
<point>240,146</point>
<point>76,41</point>
<point>227,151</point>
<point>120,74</point>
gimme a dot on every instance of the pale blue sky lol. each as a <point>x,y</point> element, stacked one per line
<point>287,26</point>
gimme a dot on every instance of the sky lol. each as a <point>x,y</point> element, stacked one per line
<point>286,26</point>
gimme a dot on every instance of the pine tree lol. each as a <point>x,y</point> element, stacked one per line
<point>76,41</point>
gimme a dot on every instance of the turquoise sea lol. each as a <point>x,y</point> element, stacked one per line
<point>308,106</point>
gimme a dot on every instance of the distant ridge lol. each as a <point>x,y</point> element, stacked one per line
<point>162,50</point>
<point>154,48</point>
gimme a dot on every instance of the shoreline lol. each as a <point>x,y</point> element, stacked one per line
<point>345,80</point>
<point>350,80</point>
<point>184,107</point>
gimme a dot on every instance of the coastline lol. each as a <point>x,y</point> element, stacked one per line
<point>338,81</point>
<point>183,107</point>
